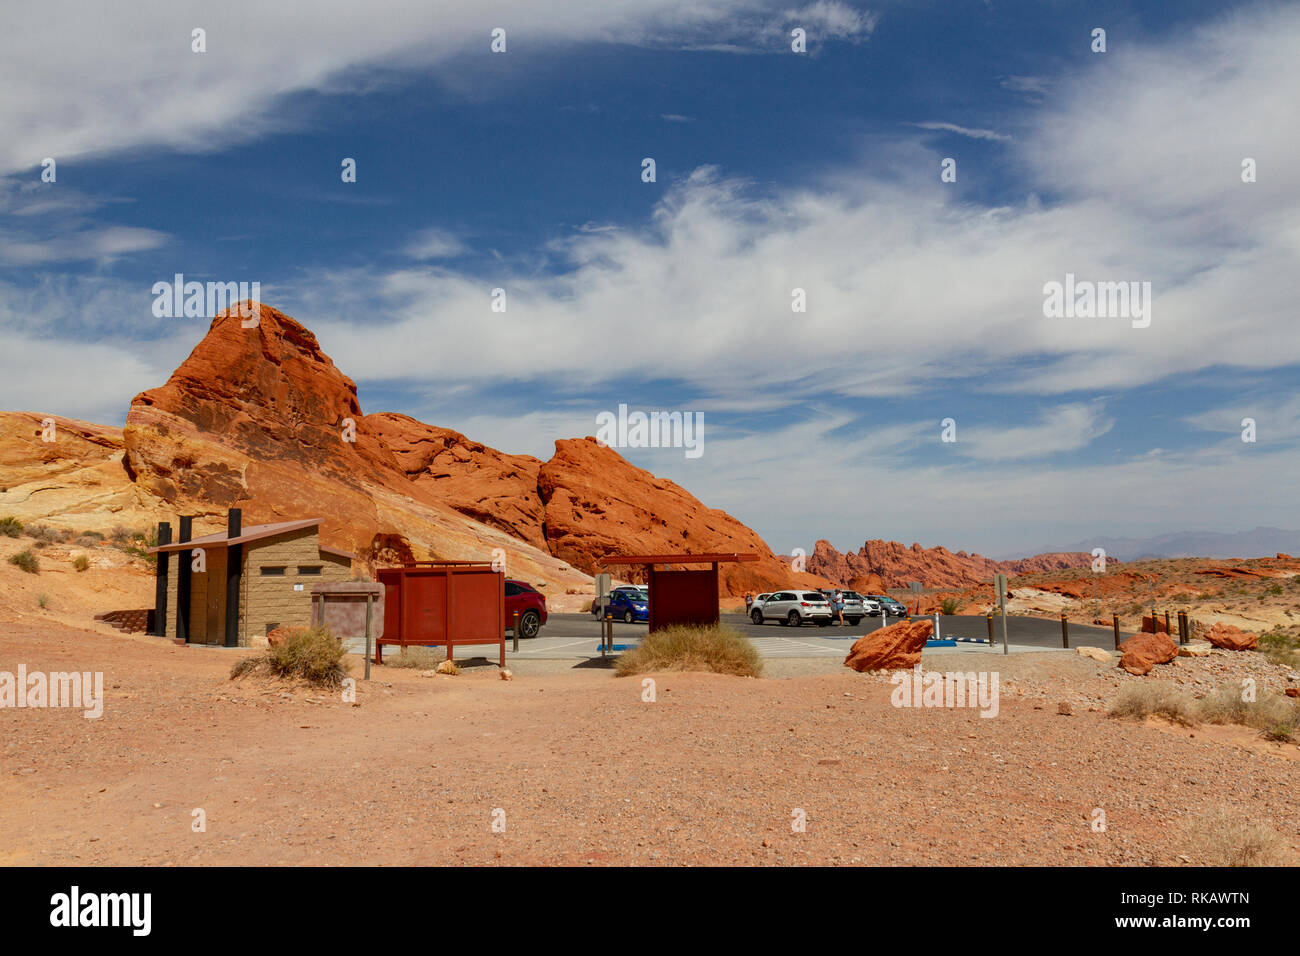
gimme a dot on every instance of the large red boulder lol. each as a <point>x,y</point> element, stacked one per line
<point>1231,638</point>
<point>897,647</point>
<point>1143,651</point>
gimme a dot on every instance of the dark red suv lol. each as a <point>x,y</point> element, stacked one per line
<point>530,604</point>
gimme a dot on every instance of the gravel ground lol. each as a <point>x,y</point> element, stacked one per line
<point>584,771</point>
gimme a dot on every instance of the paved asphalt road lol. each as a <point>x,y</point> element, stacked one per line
<point>571,636</point>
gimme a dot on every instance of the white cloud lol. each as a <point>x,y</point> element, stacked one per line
<point>90,79</point>
<point>1061,429</point>
<point>434,244</point>
<point>962,130</point>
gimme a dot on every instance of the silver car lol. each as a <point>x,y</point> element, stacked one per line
<point>793,608</point>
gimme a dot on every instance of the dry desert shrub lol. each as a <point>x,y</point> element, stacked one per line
<point>1151,699</point>
<point>27,561</point>
<point>81,562</point>
<point>314,655</point>
<point>1274,716</point>
<point>714,648</point>
<point>1220,838</point>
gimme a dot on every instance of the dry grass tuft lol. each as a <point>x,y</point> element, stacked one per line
<point>1220,838</point>
<point>1151,699</point>
<point>313,655</point>
<point>717,649</point>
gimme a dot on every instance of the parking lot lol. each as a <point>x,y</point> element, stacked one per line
<point>574,636</point>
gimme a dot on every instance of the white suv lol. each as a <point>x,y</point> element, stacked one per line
<point>793,608</point>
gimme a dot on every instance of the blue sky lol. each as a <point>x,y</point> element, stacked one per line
<point>775,170</point>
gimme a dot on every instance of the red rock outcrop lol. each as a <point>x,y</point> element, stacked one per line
<point>490,486</point>
<point>1142,652</point>
<point>598,503</point>
<point>896,565</point>
<point>1231,638</point>
<point>896,647</point>
<point>261,418</point>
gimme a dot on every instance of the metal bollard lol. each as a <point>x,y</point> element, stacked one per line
<point>1167,631</point>
<point>1065,632</point>
<point>516,632</point>
<point>1115,619</point>
<point>990,620</point>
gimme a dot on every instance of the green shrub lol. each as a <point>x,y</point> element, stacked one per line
<point>81,562</point>
<point>715,648</point>
<point>10,527</point>
<point>314,655</point>
<point>27,561</point>
<point>949,605</point>
<point>43,600</point>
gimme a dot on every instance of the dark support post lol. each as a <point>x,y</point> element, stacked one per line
<point>515,631</point>
<point>1065,632</point>
<point>234,572</point>
<point>1183,628</point>
<point>160,581</point>
<point>1115,618</point>
<point>1167,630</point>
<point>370,607</point>
<point>183,580</point>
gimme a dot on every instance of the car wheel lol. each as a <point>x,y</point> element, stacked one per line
<point>823,622</point>
<point>853,621</point>
<point>757,617</point>
<point>793,619</point>
<point>628,617</point>
<point>530,622</point>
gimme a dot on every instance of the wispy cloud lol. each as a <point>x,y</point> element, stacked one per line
<point>962,130</point>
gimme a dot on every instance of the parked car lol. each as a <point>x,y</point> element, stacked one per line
<point>889,605</point>
<point>529,603</point>
<point>853,605</point>
<point>793,608</point>
<point>627,602</point>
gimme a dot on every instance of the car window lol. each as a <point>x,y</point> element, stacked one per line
<point>814,596</point>
<point>512,589</point>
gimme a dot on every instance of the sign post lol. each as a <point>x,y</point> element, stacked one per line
<point>1000,582</point>
<point>603,582</point>
<point>915,587</point>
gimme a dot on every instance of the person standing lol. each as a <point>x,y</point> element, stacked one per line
<point>749,602</point>
<point>837,605</point>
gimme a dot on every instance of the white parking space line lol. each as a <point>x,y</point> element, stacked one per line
<point>556,647</point>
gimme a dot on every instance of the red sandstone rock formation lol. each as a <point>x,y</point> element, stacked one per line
<point>897,647</point>
<point>1142,652</point>
<point>598,503</point>
<point>895,566</point>
<point>1231,638</point>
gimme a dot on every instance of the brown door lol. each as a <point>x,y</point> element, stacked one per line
<point>214,625</point>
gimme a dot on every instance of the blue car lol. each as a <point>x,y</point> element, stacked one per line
<point>628,604</point>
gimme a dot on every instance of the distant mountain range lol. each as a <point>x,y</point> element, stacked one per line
<point>1258,543</point>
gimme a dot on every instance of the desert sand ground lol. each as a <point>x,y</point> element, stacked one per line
<point>586,772</point>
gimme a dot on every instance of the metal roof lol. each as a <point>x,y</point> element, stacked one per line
<point>254,532</point>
